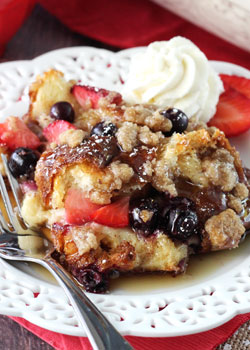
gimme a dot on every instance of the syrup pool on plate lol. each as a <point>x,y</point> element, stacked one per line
<point>201,267</point>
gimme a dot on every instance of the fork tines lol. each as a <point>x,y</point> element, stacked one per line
<point>12,216</point>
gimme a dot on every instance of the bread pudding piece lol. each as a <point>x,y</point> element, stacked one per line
<point>48,89</point>
<point>138,189</point>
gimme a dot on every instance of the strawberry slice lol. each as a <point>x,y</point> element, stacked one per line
<point>54,129</point>
<point>114,214</point>
<point>15,133</point>
<point>28,186</point>
<point>233,111</point>
<point>88,96</point>
<point>78,208</point>
<point>238,83</point>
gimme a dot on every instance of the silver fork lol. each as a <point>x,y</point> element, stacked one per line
<point>102,335</point>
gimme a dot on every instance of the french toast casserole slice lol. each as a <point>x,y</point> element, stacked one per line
<point>128,188</point>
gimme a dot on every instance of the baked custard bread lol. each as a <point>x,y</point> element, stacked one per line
<point>128,188</point>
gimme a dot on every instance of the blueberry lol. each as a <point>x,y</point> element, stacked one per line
<point>22,162</point>
<point>175,217</point>
<point>182,223</point>
<point>92,280</point>
<point>178,118</point>
<point>179,219</point>
<point>104,129</point>
<point>62,111</point>
<point>143,215</point>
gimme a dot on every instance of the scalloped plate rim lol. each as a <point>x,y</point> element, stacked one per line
<point>235,68</point>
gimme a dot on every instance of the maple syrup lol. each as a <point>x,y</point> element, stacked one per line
<point>201,268</point>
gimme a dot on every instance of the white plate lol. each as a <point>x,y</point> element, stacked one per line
<point>196,304</point>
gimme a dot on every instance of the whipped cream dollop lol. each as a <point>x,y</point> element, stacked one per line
<point>174,73</point>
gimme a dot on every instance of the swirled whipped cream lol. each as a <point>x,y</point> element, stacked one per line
<point>174,73</point>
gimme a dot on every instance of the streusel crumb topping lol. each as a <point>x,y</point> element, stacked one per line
<point>148,115</point>
<point>224,229</point>
<point>234,203</point>
<point>219,169</point>
<point>241,191</point>
<point>72,137</point>
<point>127,136</point>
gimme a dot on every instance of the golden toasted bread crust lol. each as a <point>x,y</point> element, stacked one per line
<point>118,249</point>
<point>49,88</point>
<point>52,162</point>
<point>62,167</point>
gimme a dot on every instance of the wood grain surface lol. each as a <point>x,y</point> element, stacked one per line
<point>15,337</point>
<point>45,33</point>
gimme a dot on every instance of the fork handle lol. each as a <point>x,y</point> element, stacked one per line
<point>102,335</point>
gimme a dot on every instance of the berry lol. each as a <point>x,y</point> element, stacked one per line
<point>104,129</point>
<point>78,208</point>
<point>92,280</point>
<point>28,186</point>
<point>178,118</point>
<point>22,162</point>
<point>54,129</point>
<point>62,111</point>
<point>15,133</point>
<point>233,109</point>
<point>114,214</point>
<point>88,96</point>
<point>179,219</point>
<point>182,224</point>
<point>143,215</point>
<point>240,84</point>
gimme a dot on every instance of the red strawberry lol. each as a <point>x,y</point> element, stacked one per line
<point>233,110</point>
<point>15,133</point>
<point>54,129</point>
<point>240,84</point>
<point>88,96</point>
<point>28,186</point>
<point>114,214</point>
<point>78,208</point>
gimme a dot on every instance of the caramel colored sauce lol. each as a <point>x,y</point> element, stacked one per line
<point>200,268</point>
<point>209,201</point>
<point>41,273</point>
<point>136,160</point>
<point>47,233</point>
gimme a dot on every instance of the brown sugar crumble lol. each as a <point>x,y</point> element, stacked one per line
<point>225,230</point>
